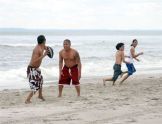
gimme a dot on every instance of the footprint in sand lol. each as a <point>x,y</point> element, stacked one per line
<point>106,99</point>
<point>3,107</point>
<point>15,112</point>
<point>17,94</point>
<point>131,121</point>
<point>70,102</point>
<point>12,103</point>
<point>155,98</point>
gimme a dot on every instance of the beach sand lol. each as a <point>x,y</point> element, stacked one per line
<point>137,101</point>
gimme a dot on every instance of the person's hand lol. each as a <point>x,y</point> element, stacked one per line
<point>138,60</point>
<point>79,75</point>
<point>60,74</point>
<point>45,47</point>
<point>45,53</point>
<point>141,53</point>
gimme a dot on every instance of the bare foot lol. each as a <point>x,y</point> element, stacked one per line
<point>59,96</point>
<point>28,102</point>
<point>104,82</point>
<point>41,97</point>
<point>120,83</point>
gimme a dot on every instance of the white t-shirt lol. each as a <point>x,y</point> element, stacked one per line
<point>130,58</point>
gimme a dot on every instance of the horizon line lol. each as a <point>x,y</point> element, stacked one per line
<point>19,28</point>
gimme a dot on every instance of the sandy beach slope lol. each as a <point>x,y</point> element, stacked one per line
<point>137,101</point>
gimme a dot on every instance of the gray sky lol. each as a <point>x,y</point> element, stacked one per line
<point>81,14</point>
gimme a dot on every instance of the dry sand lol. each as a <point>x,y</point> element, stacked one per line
<point>137,101</point>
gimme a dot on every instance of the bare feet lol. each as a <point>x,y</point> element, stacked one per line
<point>113,83</point>
<point>41,97</point>
<point>59,96</point>
<point>120,83</point>
<point>28,102</point>
<point>104,82</point>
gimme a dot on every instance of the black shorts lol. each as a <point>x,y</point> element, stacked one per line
<point>117,71</point>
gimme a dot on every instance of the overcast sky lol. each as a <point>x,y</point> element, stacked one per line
<point>81,14</point>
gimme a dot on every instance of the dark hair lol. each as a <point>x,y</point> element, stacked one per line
<point>134,40</point>
<point>67,40</point>
<point>41,39</point>
<point>119,45</point>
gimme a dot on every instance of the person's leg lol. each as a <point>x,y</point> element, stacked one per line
<point>65,79</point>
<point>113,83</point>
<point>40,96</point>
<point>130,69</point>
<point>60,90</point>
<point>124,78</point>
<point>27,101</point>
<point>106,79</point>
<point>75,79</point>
<point>133,68</point>
<point>32,92</point>
<point>129,72</point>
<point>78,90</point>
<point>117,73</point>
<point>123,73</point>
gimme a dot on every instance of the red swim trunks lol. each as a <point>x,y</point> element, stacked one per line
<point>68,75</point>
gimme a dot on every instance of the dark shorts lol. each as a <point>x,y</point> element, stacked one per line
<point>68,75</point>
<point>117,71</point>
<point>131,69</point>
<point>35,78</point>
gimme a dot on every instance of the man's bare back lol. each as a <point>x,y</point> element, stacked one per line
<point>33,73</point>
<point>37,56</point>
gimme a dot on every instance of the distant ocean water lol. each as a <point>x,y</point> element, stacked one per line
<point>96,51</point>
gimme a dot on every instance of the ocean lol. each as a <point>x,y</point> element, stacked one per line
<point>96,52</point>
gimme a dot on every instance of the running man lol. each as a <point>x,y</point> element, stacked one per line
<point>132,55</point>
<point>119,58</point>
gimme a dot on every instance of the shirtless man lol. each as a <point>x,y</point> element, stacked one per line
<point>132,55</point>
<point>119,58</point>
<point>33,71</point>
<point>71,70</point>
